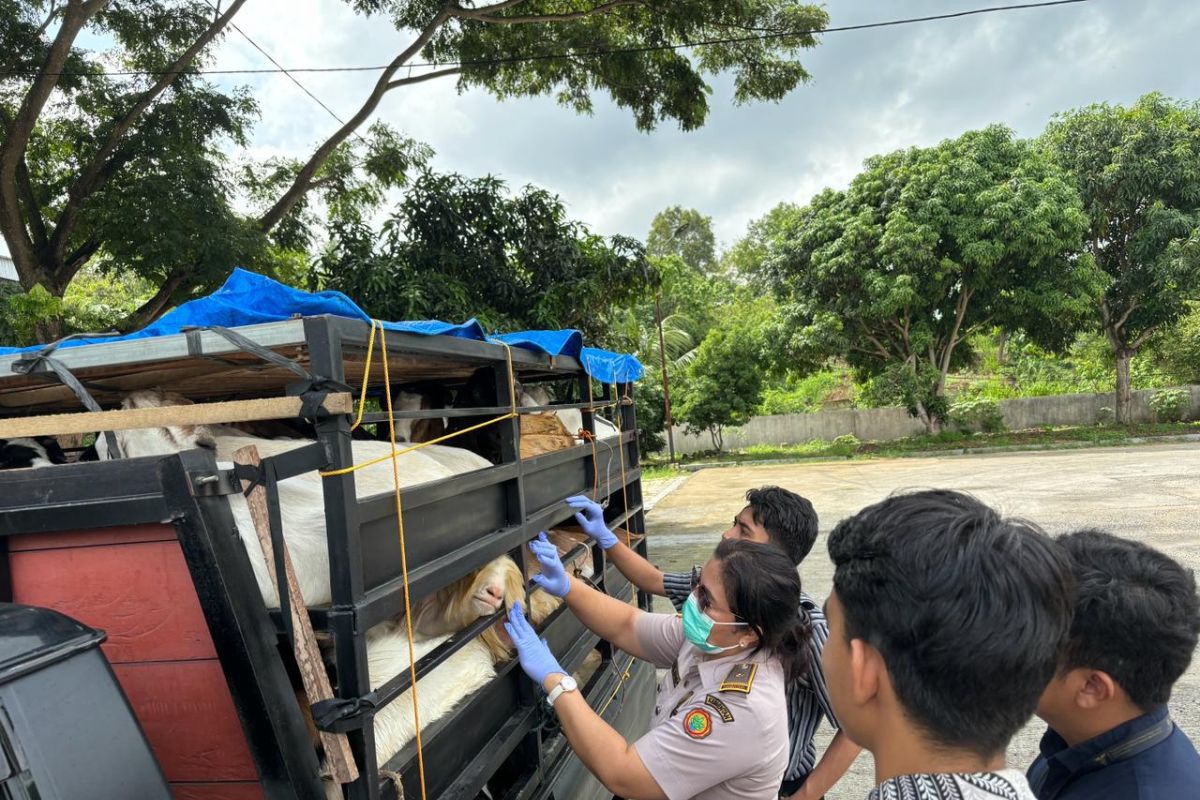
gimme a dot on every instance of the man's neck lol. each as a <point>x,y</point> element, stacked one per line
<point>1086,726</point>
<point>907,752</point>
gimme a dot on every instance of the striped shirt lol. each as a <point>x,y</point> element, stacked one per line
<point>807,698</point>
<point>1004,785</point>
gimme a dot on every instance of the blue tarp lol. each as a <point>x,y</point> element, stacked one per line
<point>248,298</point>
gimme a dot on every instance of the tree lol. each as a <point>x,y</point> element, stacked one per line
<point>723,383</point>
<point>93,160</point>
<point>926,247</point>
<point>456,247</point>
<point>1138,172</point>
<point>1177,348</point>
<point>685,233</point>
<point>723,387</point>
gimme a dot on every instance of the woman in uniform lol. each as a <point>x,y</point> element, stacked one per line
<point>720,724</point>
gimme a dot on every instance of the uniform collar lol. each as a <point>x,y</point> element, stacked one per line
<point>1107,747</point>
<point>713,671</point>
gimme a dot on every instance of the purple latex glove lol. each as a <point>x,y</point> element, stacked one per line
<point>533,653</point>
<point>554,575</point>
<point>590,517</point>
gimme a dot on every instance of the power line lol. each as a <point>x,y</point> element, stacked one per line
<point>581,53</point>
<point>281,68</point>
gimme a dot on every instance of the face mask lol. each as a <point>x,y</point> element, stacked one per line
<point>697,626</point>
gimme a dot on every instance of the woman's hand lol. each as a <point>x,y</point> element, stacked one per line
<point>533,653</point>
<point>590,517</point>
<point>554,575</point>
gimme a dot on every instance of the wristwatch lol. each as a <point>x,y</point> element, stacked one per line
<point>567,684</point>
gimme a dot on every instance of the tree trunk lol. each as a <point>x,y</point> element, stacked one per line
<point>50,329</point>
<point>933,425</point>
<point>1001,346</point>
<point>1124,399</point>
<point>718,437</point>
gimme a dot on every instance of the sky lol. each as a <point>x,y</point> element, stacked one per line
<point>871,92</point>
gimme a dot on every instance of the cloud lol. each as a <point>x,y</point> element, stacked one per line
<point>872,91</point>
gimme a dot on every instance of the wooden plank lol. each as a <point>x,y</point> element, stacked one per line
<point>218,791</point>
<point>99,537</point>
<point>338,755</point>
<point>195,414</point>
<point>188,715</point>
<point>140,594</point>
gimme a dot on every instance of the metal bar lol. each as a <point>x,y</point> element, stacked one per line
<point>166,348</point>
<point>491,411</point>
<point>345,551</point>
<point>245,643</point>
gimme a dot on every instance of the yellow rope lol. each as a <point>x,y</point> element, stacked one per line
<point>362,401</point>
<point>412,659</point>
<point>397,453</point>
<point>621,450</point>
<point>620,685</point>
<point>362,397</point>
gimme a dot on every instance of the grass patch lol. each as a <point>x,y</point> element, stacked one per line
<point>850,447</point>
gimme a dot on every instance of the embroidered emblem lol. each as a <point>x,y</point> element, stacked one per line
<point>679,705</point>
<point>740,678</point>
<point>698,723</point>
<point>722,709</point>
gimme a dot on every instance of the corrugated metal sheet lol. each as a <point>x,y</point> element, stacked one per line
<point>8,270</point>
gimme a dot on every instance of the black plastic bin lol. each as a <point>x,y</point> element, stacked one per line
<point>66,730</point>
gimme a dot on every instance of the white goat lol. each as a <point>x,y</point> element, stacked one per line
<point>572,418</point>
<point>301,499</point>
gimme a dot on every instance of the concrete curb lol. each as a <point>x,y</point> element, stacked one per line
<point>675,483</point>
<point>964,451</point>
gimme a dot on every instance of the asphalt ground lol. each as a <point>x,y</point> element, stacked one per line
<point>1150,493</point>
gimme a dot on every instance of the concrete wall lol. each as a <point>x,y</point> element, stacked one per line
<point>885,424</point>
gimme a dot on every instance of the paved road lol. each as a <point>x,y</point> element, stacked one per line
<point>1151,493</point>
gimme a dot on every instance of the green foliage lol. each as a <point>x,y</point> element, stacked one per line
<point>650,413</point>
<point>805,395</point>
<point>686,234</point>
<point>978,414</point>
<point>456,248</point>
<point>1170,405</point>
<point>1177,349</point>
<point>1137,170</point>
<point>724,382</point>
<point>95,302</point>
<point>924,248</point>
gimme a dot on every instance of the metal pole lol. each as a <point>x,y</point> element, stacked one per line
<point>662,354</point>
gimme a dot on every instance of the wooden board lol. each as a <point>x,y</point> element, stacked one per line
<point>133,582</point>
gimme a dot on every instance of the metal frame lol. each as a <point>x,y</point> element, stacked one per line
<point>510,503</point>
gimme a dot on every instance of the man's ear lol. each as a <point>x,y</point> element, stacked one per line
<point>868,673</point>
<point>1093,687</point>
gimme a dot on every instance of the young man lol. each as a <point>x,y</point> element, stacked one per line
<point>786,520</point>
<point>945,624</point>
<point>1136,623</point>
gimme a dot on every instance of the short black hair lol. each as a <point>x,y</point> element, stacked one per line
<point>1137,616</point>
<point>763,590</point>
<point>789,519</point>
<point>969,610</point>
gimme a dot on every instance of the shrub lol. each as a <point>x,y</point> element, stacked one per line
<point>845,445</point>
<point>977,414</point>
<point>1106,416</point>
<point>1170,405</point>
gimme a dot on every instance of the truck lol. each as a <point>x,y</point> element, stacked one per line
<point>145,550</point>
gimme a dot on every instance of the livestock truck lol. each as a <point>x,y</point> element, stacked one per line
<point>145,552</point>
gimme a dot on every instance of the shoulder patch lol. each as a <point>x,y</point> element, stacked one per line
<point>697,723</point>
<point>722,709</point>
<point>740,678</point>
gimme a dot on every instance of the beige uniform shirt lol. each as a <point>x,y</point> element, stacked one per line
<point>720,726</point>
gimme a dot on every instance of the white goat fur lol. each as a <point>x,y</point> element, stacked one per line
<point>301,499</point>
<point>571,418</point>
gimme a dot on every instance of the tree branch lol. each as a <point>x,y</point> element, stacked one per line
<point>152,308</point>
<point>960,312</point>
<point>1146,334</point>
<point>12,150</point>
<point>77,259</point>
<point>94,174</point>
<point>428,76</point>
<point>50,15</point>
<point>275,214</point>
<point>33,213</point>
<point>488,14</point>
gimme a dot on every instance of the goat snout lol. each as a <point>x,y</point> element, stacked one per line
<point>491,597</point>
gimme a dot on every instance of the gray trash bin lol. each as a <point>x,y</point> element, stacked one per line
<point>66,730</point>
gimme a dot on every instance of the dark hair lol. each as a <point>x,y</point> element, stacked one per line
<point>1137,616</point>
<point>789,519</point>
<point>969,610</point>
<point>763,589</point>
